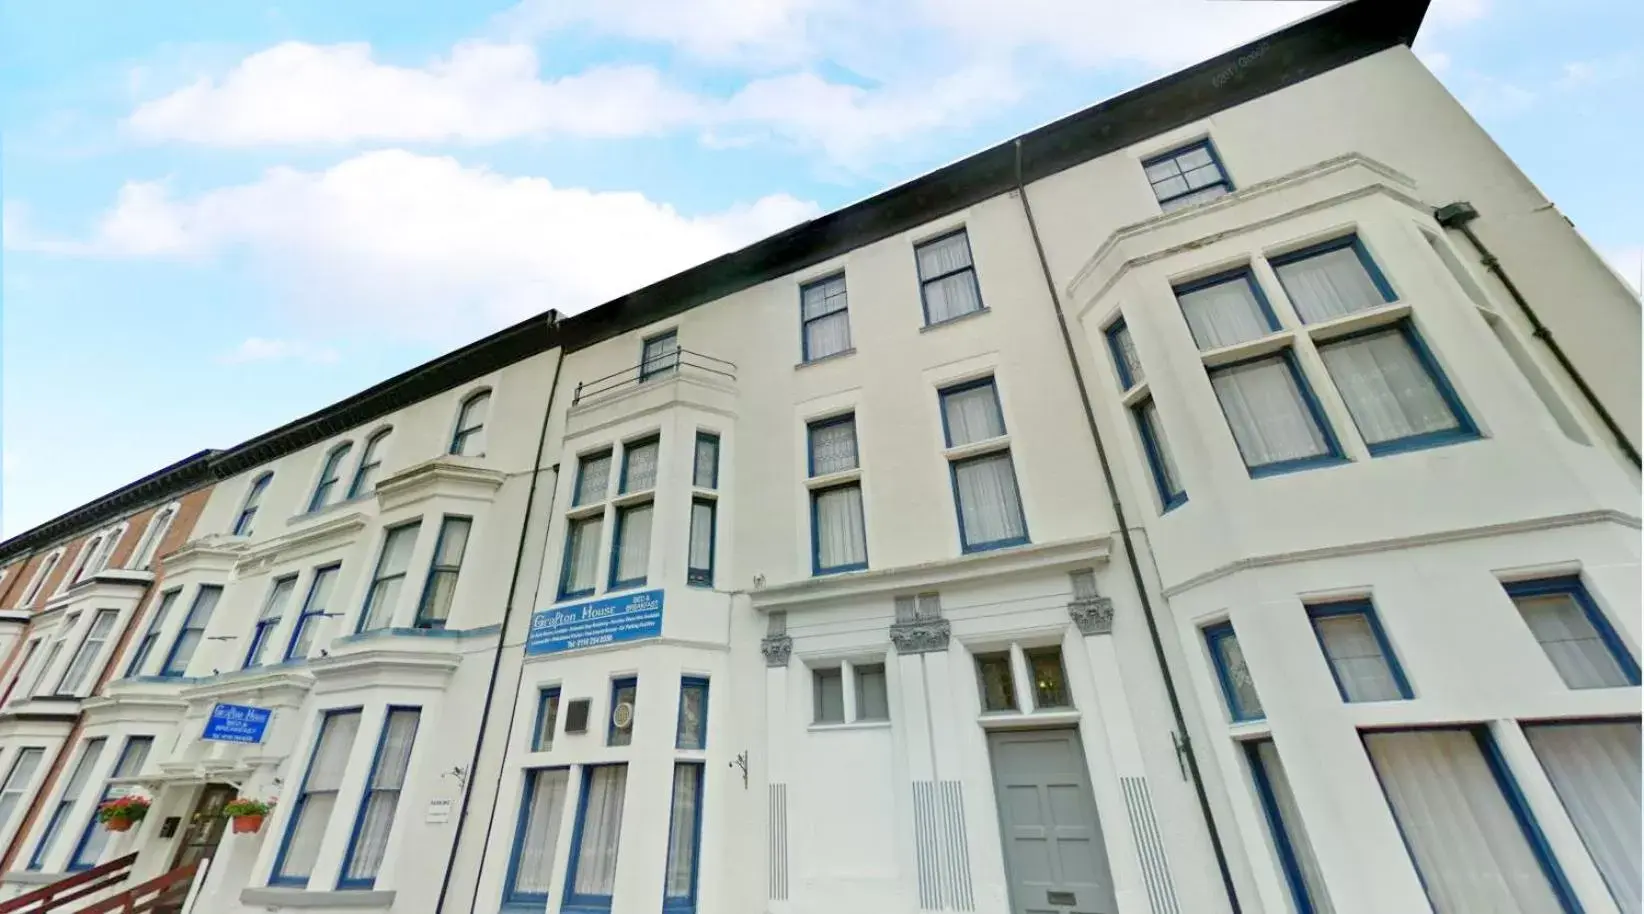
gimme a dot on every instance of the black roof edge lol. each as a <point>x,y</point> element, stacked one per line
<point>1317,44</point>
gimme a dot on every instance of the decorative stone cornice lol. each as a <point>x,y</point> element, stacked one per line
<point>383,668</point>
<point>304,541</point>
<point>454,477</point>
<point>920,636</point>
<point>214,552</point>
<point>777,650</point>
<point>1093,615</point>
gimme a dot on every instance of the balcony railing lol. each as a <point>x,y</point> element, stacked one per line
<point>657,368</point>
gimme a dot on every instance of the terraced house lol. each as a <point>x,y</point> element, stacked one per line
<point>1224,499</point>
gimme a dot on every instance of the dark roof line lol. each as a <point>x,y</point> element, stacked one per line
<point>1332,38</point>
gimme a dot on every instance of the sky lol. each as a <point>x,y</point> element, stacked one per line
<point>219,216</point>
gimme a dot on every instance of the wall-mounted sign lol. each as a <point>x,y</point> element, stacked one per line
<point>439,811</point>
<point>628,617</point>
<point>237,724</point>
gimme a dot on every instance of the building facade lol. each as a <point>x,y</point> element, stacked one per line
<point>1223,499</point>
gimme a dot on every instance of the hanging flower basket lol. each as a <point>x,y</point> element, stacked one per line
<point>121,814</point>
<point>247,814</point>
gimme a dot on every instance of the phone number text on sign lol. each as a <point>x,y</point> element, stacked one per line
<point>628,617</point>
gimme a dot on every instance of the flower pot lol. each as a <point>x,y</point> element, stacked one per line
<point>245,825</point>
<point>121,824</point>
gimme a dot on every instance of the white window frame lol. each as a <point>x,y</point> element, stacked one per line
<point>847,670</point>
<point>142,557</point>
<point>41,573</point>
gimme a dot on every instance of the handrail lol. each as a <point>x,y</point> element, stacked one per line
<point>52,897</point>
<point>663,364</point>
<point>131,901</point>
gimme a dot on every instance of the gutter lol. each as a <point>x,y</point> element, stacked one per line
<point>1459,216</point>
<point>496,668</point>
<point>1185,741</point>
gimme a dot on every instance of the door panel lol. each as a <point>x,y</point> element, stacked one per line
<point>1054,856</point>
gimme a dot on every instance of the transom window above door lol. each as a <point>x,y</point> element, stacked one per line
<point>1023,680</point>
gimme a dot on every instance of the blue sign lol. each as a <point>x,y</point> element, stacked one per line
<point>626,618</point>
<point>237,724</point>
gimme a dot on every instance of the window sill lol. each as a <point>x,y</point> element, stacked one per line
<point>829,480</point>
<point>285,897</point>
<point>994,720</point>
<point>842,569</point>
<point>1256,728</point>
<point>971,549</point>
<point>954,320</point>
<point>1135,394</point>
<point>825,358</point>
<point>1297,466</point>
<point>1248,350</point>
<point>1423,442</point>
<point>629,499</point>
<point>1172,504</point>
<point>849,725</point>
<point>1367,319</point>
<point>977,448</point>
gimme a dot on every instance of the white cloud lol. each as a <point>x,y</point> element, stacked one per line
<point>297,93</point>
<point>1451,13</point>
<point>394,243</point>
<point>1437,61</point>
<point>260,349</point>
<point>1628,263</point>
<point>762,30</point>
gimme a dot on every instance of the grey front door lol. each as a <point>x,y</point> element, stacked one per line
<point>1054,856</point>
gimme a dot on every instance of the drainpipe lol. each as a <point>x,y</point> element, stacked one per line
<point>496,662</point>
<point>1457,216</point>
<point>1185,749</point>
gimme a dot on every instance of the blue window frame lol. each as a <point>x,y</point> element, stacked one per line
<point>1166,479</point>
<point>330,474</point>
<point>253,497</point>
<point>824,318</point>
<point>374,822</point>
<point>831,446</point>
<point>1296,438</point>
<point>273,611</point>
<point>591,877</point>
<point>692,729</point>
<point>468,438</point>
<point>72,789</point>
<point>971,412</point>
<point>593,478</point>
<point>1395,390</point>
<point>365,474</point>
<point>1226,308</point>
<point>1284,823</point>
<point>316,798</point>
<point>439,590</point>
<point>193,630</point>
<point>838,529</point>
<point>639,465</point>
<point>986,497</point>
<point>699,570</point>
<point>705,465</point>
<point>1356,649</point>
<point>1440,758</point>
<point>388,578</point>
<point>624,708</point>
<point>1238,687</point>
<point>948,289</point>
<point>579,570</point>
<point>314,608</point>
<point>1125,361</point>
<point>684,840</point>
<point>1332,279</point>
<point>151,635</point>
<point>93,838</point>
<point>1187,175</point>
<point>659,356</point>
<point>1575,634</point>
<point>542,739</point>
<point>631,545</point>
<point>536,832</point>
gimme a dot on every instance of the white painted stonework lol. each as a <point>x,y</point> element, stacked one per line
<point>804,810</point>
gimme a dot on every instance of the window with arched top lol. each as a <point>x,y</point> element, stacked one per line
<point>365,473</point>
<point>469,438</point>
<point>253,498</point>
<point>38,582</point>
<point>99,560</point>
<point>149,546</point>
<point>330,474</point>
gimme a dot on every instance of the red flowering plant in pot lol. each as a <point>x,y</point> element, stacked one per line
<point>120,814</point>
<point>247,814</point>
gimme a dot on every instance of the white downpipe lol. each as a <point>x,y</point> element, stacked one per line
<point>194,886</point>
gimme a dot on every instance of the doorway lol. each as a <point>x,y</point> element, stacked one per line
<point>1055,859</point>
<point>201,834</point>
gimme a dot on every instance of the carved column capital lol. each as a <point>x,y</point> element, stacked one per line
<point>1093,615</point>
<point>920,636</point>
<point>777,649</point>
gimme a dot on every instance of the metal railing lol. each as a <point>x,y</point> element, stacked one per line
<point>656,368</point>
